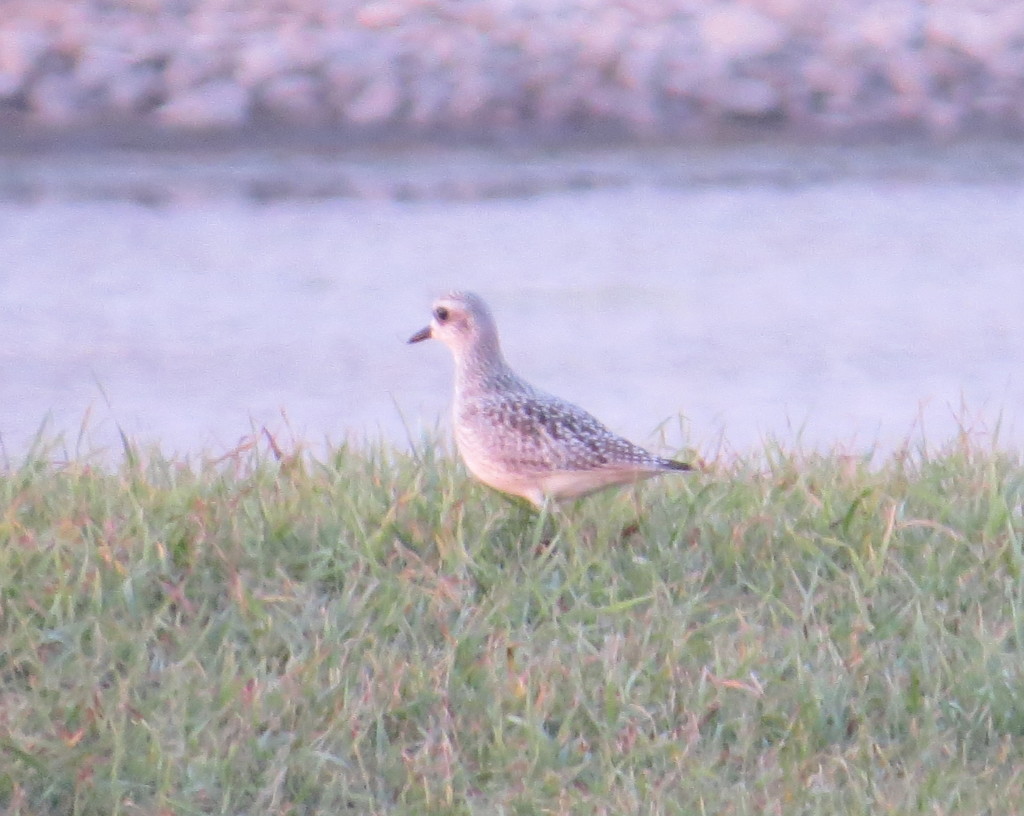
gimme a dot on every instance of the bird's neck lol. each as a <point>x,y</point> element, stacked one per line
<point>481,368</point>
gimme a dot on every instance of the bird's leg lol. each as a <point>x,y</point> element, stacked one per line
<point>632,528</point>
<point>547,510</point>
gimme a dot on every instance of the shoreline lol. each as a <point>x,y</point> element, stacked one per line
<point>23,139</point>
<point>266,173</point>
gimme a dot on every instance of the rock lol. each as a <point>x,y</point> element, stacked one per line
<point>793,12</point>
<point>350,57</point>
<point>98,64</point>
<point>56,99</point>
<point>198,62</point>
<point>684,69</point>
<point>429,94</point>
<point>21,49</point>
<point>10,85</point>
<point>469,98</point>
<point>906,73</point>
<point>978,33</point>
<point>735,33</point>
<point>602,36</point>
<point>294,96</point>
<point>750,97</point>
<point>148,44</point>
<point>261,58</point>
<point>136,89</point>
<point>343,78</point>
<point>215,104</point>
<point>835,84</point>
<point>943,119</point>
<point>380,15</point>
<point>377,103</point>
<point>889,26</point>
<point>639,62</point>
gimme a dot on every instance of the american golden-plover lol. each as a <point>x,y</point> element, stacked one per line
<point>514,437</point>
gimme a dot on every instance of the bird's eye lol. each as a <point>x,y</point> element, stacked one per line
<point>441,314</point>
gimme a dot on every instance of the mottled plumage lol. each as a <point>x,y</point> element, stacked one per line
<point>516,438</point>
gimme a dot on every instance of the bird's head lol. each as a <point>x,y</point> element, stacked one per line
<point>462,321</point>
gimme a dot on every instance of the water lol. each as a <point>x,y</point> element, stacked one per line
<point>835,298</point>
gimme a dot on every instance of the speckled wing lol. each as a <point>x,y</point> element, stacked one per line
<point>534,432</point>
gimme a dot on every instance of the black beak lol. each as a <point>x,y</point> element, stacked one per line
<point>422,334</point>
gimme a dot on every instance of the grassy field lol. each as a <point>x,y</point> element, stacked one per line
<point>373,633</point>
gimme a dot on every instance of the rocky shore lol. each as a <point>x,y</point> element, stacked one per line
<point>508,69</point>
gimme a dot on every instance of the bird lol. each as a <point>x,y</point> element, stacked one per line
<point>516,438</point>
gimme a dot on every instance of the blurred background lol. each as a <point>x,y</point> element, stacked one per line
<point>711,222</point>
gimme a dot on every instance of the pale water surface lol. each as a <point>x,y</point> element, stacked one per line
<point>832,298</point>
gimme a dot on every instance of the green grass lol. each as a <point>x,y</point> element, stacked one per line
<point>373,633</point>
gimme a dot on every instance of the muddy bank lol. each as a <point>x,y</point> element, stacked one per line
<point>156,178</point>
